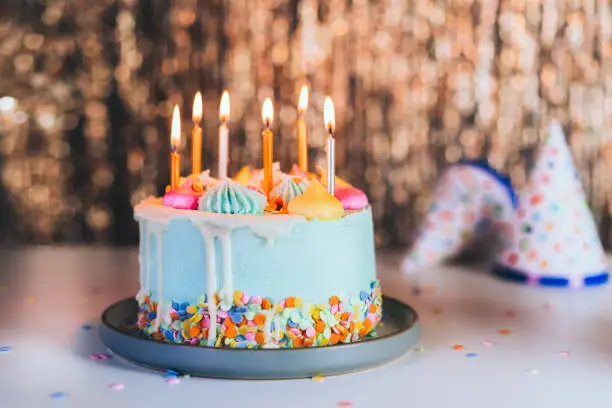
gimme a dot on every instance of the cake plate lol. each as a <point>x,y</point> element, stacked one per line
<point>398,334</point>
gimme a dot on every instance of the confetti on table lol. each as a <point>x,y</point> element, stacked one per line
<point>5,348</point>
<point>504,332</point>
<point>416,291</point>
<point>547,306</point>
<point>471,355</point>
<point>85,327</point>
<point>173,380</point>
<point>436,310</point>
<point>564,353</point>
<point>318,378</point>
<point>58,395</point>
<point>487,343</point>
<point>345,404</point>
<point>103,356</point>
<point>29,299</point>
<point>458,347</point>
<point>420,349</point>
<point>509,314</point>
<point>533,371</point>
<point>116,386</point>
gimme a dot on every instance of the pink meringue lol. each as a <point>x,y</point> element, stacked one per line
<point>182,199</point>
<point>351,198</point>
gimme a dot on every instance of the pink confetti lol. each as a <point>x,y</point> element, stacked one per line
<point>509,314</point>
<point>547,306</point>
<point>94,356</point>
<point>564,353</point>
<point>173,380</point>
<point>345,404</point>
<point>116,386</point>
<point>487,343</point>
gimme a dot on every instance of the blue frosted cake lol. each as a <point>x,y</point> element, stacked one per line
<point>224,265</point>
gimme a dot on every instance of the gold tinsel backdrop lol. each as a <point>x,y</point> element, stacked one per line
<point>87,88</point>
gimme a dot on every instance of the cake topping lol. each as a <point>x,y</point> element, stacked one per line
<point>316,203</point>
<point>230,197</point>
<point>182,198</point>
<point>351,198</point>
<point>286,190</point>
<point>244,175</point>
<point>198,182</point>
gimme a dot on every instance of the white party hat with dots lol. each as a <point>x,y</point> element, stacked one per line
<point>554,240</point>
<point>471,199</point>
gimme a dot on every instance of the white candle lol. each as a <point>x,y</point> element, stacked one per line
<point>224,111</point>
<point>329,117</point>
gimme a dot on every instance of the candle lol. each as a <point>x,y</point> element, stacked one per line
<point>329,117</point>
<point>302,131</point>
<point>196,135</point>
<point>224,111</point>
<point>175,142</point>
<point>267,112</point>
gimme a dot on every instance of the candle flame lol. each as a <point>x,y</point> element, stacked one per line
<point>329,116</point>
<point>197,108</point>
<point>224,107</point>
<point>175,133</point>
<point>303,101</point>
<point>267,112</point>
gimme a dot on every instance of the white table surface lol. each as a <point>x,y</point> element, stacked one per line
<point>47,294</point>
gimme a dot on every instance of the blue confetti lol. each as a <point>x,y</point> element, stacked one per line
<point>184,306</point>
<point>241,309</point>
<point>471,355</point>
<point>291,323</point>
<point>236,318</point>
<point>5,348</point>
<point>151,315</point>
<point>363,296</point>
<point>85,327</point>
<point>58,395</point>
<point>175,306</point>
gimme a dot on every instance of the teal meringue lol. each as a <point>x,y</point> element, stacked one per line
<point>287,189</point>
<point>230,197</point>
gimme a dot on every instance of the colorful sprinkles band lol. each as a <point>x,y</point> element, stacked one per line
<point>255,322</point>
<point>515,275</point>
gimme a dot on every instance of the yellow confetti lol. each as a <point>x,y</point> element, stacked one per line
<point>318,378</point>
<point>29,299</point>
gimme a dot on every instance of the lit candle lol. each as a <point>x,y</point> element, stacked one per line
<point>329,117</point>
<point>267,113</point>
<point>224,111</point>
<point>196,135</point>
<point>175,142</point>
<point>302,131</point>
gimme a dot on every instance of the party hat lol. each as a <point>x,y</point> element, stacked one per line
<point>554,237</point>
<point>471,199</point>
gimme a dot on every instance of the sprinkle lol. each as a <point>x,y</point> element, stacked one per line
<point>471,355</point>
<point>58,395</point>
<point>564,353</point>
<point>458,347</point>
<point>345,404</point>
<point>5,348</point>
<point>420,349</point>
<point>437,310</point>
<point>100,356</point>
<point>504,332</point>
<point>533,371</point>
<point>509,313</point>
<point>173,380</point>
<point>85,327</point>
<point>116,386</point>
<point>487,343</point>
<point>318,378</point>
<point>29,299</point>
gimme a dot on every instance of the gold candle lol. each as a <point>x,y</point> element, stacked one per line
<point>196,135</point>
<point>302,130</point>
<point>175,142</point>
<point>267,113</point>
<point>224,111</point>
<point>329,116</point>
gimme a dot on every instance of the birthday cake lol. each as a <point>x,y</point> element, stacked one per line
<point>223,264</point>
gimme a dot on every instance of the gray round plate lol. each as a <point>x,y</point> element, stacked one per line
<point>398,334</point>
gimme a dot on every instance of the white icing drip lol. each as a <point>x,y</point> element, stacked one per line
<point>156,227</point>
<point>211,284</point>
<point>265,226</point>
<point>268,325</point>
<point>141,260</point>
<point>226,250</point>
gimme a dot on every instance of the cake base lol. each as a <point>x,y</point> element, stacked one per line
<point>399,333</point>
